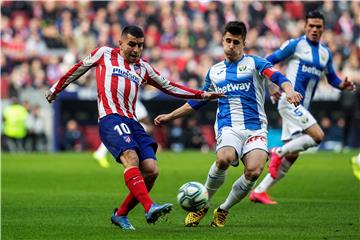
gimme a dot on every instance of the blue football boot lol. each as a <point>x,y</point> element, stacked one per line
<point>157,211</point>
<point>121,221</point>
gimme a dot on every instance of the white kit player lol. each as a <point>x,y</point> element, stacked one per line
<point>142,116</point>
<point>308,61</point>
<point>241,124</point>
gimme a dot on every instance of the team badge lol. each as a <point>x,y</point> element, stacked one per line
<point>242,68</point>
<point>127,139</point>
<point>137,69</point>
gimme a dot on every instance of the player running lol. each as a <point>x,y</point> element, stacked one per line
<point>308,61</point>
<point>241,122</point>
<point>119,74</point>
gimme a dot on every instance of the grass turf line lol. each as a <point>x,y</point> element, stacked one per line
<point>68,196</point>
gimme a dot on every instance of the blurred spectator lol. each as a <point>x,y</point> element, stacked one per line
<point>184,37</point>
<point>193,136</point>
<point>176,136</point>
<point>350,104</point>
<point>333,134</point>
<point>72,139</point>
<point>14,129</point>
<point>36,139</point>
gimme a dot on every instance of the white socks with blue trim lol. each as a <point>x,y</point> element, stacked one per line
<point>239,190</point>
<point>215,179</point>
<point>297,145</point>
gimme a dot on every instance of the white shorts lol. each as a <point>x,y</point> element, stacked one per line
<point>243,141</point>
<point>294,119</point>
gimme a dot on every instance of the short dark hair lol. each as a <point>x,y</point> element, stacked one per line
<point>314,14</point>
<point>236,28</point>
<point>133,30</point>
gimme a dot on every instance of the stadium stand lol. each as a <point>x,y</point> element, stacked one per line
<point>40,40</point>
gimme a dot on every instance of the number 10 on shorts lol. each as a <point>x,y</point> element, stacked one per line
<point>122,129</point>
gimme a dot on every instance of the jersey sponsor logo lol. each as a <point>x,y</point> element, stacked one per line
<point>311,70</point>
<point>117,71</point>
<point>234,87</point>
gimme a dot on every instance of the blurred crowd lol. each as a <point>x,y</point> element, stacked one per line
<point>41,40</point>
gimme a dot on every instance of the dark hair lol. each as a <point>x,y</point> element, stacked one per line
<point>315,14</point>
<point>133,30</point>
<point>236,28</point>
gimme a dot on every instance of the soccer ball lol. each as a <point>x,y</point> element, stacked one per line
<point>192,196</point>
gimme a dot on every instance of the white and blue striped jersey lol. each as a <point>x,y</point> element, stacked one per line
<point>243,83</point>
<point>307,63</point>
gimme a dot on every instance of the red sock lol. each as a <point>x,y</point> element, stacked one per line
<point>136,185</point>
<point>129,203</point>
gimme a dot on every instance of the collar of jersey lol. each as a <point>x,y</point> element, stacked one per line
<point>315,44</point>
<point>137,63</point>
<point>228,63</point>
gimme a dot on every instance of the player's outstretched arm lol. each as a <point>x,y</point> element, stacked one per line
<point>274,91</point>
<point>292,96</point>
<point>50,96</point>
<point>177,113</point>
<point>212,95</point>
<point>347,85</point>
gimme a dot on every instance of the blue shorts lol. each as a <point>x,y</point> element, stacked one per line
<point>120,133</point>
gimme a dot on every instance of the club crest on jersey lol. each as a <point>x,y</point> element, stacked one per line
<point>137,70</point>
<point>322,57</point>
<point>120,72</point>
<point>127,139</point>
<point>242,68</point>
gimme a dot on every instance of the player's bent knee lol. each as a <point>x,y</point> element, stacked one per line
<point>129,158</point>
<point>151,175</point>
<point>253,174</point>
<point>319,138</point>
<point>223,163</point>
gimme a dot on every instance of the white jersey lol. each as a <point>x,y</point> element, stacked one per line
<point>308,62</point>
<point>243,83</point>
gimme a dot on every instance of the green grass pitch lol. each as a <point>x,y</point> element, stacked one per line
<point>67,196</point>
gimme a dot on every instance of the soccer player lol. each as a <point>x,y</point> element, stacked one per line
<point>308,61</point>
<point>241,122</point>
<point>142,116</point>
<point>119,74</point>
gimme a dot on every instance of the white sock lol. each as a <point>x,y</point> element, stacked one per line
<point>265,184</point>
<point>268,181</point>
<point>297,145</point>
<point>215,179</point>
<point>101,151</point>
<point>239,190</point>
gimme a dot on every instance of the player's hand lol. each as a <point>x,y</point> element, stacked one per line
<point>212,95</point>
<point>348,85</point>
<point>294,97</point>
<point>161,119</point>
<point>275,92</point>
<point>50,96</point>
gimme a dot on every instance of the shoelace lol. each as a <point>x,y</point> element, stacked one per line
<point>198,213</point>
<point>222,216</point>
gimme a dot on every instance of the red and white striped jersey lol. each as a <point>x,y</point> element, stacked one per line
<point>118,81</point>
